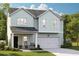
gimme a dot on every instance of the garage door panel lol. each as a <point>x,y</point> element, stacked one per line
<point>48,42</point>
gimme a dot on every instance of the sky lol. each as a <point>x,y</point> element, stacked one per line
<point>66,8</point>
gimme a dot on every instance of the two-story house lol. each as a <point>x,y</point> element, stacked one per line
<point>28,28</point>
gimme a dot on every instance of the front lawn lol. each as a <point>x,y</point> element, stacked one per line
<point>19,53</point>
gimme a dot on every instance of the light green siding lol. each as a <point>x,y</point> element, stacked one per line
<point>22,14</point>
<point>49,24</point>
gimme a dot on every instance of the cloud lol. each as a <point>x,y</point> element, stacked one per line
<point>42,6</point>
<point>23,7</point>
<point>61,14</point>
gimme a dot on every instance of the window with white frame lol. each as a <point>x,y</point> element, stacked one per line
<point>25,38</point>
<point>54,24</point>
<point>21,21</point>
<point>44,22</point>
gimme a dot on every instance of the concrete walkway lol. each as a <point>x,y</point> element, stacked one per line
<point>26,50</point>
<point>63,52</point>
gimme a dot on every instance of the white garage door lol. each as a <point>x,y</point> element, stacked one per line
<point>48,42</point>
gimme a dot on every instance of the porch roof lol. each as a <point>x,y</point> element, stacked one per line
<point>24,28</point>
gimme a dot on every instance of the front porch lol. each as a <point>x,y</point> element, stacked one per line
<point>24,39</point>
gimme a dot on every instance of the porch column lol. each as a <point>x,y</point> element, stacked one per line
<point>36,43</point>
<point>22,37</point>
<point>12,41</point>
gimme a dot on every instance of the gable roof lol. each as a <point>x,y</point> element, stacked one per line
<point>57,15</point>
<point>18,9</point>
<point>11,10</point>
<point>33,12</point>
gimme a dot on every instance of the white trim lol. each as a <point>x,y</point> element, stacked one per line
<point>23,10</point>
<point>42,13</point>
<point>12,40</point>
<point>50,11</point>
<point>23,43</point>
<point>36,43</point>
<point>56,14</point>
<point>55,32</point>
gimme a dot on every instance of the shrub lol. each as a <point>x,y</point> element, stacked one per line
<point>35,49</point>
<point>66,45</point>
<point>11,49</point>
<point>15,49</point>
<point>2,45</point>
<point>38,48</point>
<point>8,48</point>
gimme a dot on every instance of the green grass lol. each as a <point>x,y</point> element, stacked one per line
<point>19,53</point>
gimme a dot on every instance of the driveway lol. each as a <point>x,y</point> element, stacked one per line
<point>63,52</point>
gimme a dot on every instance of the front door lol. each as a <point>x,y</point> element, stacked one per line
<point>15,41</point>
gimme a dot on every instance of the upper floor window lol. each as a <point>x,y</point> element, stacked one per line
<point>55,24</point>
<point>44,22</point>
<point>21,21</point>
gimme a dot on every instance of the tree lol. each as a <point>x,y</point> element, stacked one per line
<point>3,20</point>
<point>71,24</point>
<point>67,19</point>
<point>75,29</point>
<point>2,25</point>
<point>6,7</point>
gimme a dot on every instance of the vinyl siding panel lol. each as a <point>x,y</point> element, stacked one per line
<point>22,14</point>
<point>50,25</point>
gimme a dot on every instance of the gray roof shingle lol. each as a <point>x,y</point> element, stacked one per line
<point>32,11</point>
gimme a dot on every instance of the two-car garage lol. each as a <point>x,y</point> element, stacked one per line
<point>48,41</point>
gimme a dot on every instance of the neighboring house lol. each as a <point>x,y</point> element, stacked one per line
<point>28,28</point>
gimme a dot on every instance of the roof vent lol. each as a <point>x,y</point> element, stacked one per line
<point>32,6</point>
<point>51,8</point>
